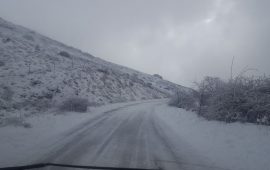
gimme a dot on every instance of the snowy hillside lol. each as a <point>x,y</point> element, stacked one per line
<point>38,72</point>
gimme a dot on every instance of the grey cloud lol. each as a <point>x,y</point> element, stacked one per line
<point>183,40</point>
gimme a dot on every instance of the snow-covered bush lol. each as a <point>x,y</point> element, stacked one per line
<point>28,37</point>
<point>6,40</point>
<point>16,121</point>
<point>41,104</point>
<point>185,100</point>
<point>64,54</point>
<point>158,76</point>
<point>2,63</point>
<point>6,93</point>
<point>102,70</point>
<point>35,82</point>
<point>240,99</point>
<point>75,104</point>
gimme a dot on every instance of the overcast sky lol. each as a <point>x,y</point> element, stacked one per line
<point>182,40</point>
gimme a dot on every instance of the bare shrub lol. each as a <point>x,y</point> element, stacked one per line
<point>149,85</point>
<point>102,70</point>
<point>2,63</point>
<point>75,104</point>
<point>41,104</point>
<point>16,121</point>
<point>28,37</point>
<point>158,76</point>
<point>6,93</point>
<point>38,103</point>
<point>6,40</point>
<point>35,82</point>
<point>244,99</point>
<point>185,100</point>
<point>64,54</point>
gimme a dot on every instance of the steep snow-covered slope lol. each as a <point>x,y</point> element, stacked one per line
<point>38,72</point>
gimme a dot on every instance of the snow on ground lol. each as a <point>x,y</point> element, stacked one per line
<point>234,146</point>
<point>21,145</point>
<point>195,141</point>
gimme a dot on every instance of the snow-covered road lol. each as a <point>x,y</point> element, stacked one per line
<point>147,134</point>
<point>133,136</point>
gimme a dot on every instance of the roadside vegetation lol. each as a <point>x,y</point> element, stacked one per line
<point>75,104</point>
<point>244,99</point>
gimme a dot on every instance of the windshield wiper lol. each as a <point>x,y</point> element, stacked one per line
<point>43,165</point>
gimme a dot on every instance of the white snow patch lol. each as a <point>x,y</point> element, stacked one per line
<point>234,146</point>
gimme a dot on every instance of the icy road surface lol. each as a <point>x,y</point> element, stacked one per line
<point>133,136</point>
<point>147,134</point>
